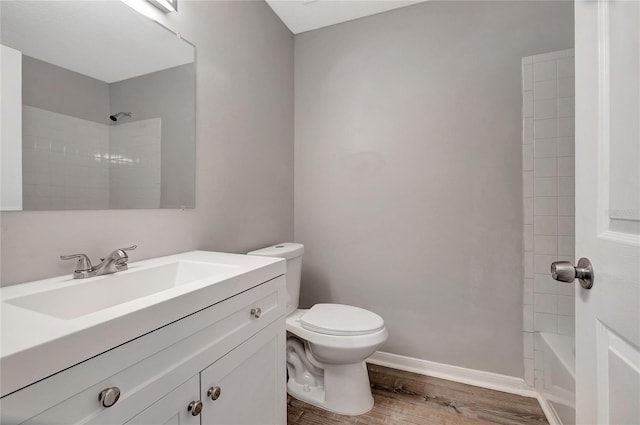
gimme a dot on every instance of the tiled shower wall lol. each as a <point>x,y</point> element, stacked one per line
<point>65,162</point>
<point>549,198</point>
<point>72,163</point>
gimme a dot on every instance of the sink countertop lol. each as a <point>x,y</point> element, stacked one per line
<point>34,345</point>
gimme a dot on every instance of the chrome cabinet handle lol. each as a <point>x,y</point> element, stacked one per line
<point>214,393</point>
<point>256,312</point>
<point>109,396</point>
<point>195,407</point>
<point>564,271</point>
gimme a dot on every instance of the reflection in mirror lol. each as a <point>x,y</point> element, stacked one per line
<point>105,117</point>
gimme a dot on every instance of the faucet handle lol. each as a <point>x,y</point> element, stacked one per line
<point>131,248</point>
<point>83,264</point>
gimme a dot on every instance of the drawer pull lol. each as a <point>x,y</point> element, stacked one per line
<point>109,396</point>
<point>256,312</point>
<point>195,407</point>
<point>214,393</point>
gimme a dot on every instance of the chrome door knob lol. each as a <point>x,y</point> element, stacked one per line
<point>564,271</point>
<point>256,312</point>
<point>214,393</point>
<point>109,397</point>
<point>195,407</point>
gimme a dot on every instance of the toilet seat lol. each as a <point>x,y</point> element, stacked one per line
<point>341,320</point>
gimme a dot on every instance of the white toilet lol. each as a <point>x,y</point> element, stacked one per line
<point>327,345</point>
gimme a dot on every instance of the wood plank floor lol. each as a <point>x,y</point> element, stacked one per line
<point>403,398</point>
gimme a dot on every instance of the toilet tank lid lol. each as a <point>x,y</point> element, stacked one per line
<point>341,320</point>
<point>287,250</point>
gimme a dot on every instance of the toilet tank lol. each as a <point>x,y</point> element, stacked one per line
<point>292,252</point>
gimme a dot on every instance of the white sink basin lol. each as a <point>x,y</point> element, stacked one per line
<point>86,296</point>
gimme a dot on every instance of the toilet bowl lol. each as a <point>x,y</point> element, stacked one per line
<point>327,345</point>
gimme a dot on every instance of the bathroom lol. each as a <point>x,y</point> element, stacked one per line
<point>395,147</point>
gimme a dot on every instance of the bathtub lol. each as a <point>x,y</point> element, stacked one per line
<point>557,387</point>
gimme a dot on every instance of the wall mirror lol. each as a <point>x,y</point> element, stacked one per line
<point>98,108</point>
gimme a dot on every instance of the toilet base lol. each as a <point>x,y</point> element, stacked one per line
<point>347,386</point>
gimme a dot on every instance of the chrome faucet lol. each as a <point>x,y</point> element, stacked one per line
<point>114,262</point>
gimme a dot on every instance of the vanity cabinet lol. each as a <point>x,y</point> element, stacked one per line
<point>228,345</point>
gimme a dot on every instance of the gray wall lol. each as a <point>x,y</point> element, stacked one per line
<point>167,94</point>
<point>408,172</point>
<point>52,88</point>
<point>244,165</point>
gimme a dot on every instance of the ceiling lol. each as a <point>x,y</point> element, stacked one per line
<point>106,40</point>
<point>307,15</point>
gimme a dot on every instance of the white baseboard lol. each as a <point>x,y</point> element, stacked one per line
<point>478,378</point>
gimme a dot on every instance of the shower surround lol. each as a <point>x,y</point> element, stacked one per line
<point>94,166</point>
<point>549,199</point>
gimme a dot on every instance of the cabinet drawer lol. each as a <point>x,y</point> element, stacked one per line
<point>148,367</point>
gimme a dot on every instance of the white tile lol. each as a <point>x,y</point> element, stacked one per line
<point>542,263</point>
<point>545,148</point>
<point>545,186</point>
<point>527,318</point>
<point>544,90</point>
<point>567,245</point>
<point>545,225</point>
<point>566,325</point>
<point>528,265</point>
<point>545,129</point>
<point>566,305</point>
<point>546,167</point>
<point>527,184</point>
<point>527,157</point>
<point>527,77</point>
<point>528,292</point>
<point>570,53</point>
<point>566,127</point>
<point>566,186</point>
<point>545,205</point>
<point>527,132</point>
<point>529,372</point>
<point>528,237</point>
<point>544,284</point>
<point>527,104</point>
<point>528,345</point>
<point>543,71</point>
<point>546,244</point>
<point>528,210</point>
<point>566,146</point>
<point>566,107</point>
<point>566,67</point>
<point>566,87</point>
<point>538,360</point>
<point>566,166</point>
<point>566,226</point>
<point>538,379</point>
<point>543,322</point>
<point>545,303</point>
<point>566,206</point>
<point>559,54</point>
<point>545,108</point>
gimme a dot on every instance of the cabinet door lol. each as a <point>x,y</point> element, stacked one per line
<point>173,407</point>
<point>251,381</point>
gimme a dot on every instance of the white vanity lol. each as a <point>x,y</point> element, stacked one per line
<point>190,338</point>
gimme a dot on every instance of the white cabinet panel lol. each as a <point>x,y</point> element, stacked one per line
<point>172,408</point>
<point>252,381</point>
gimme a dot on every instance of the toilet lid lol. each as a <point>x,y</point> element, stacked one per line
<point>343,320</point>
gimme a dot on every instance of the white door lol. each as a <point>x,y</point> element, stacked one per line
<point>608,210</point>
